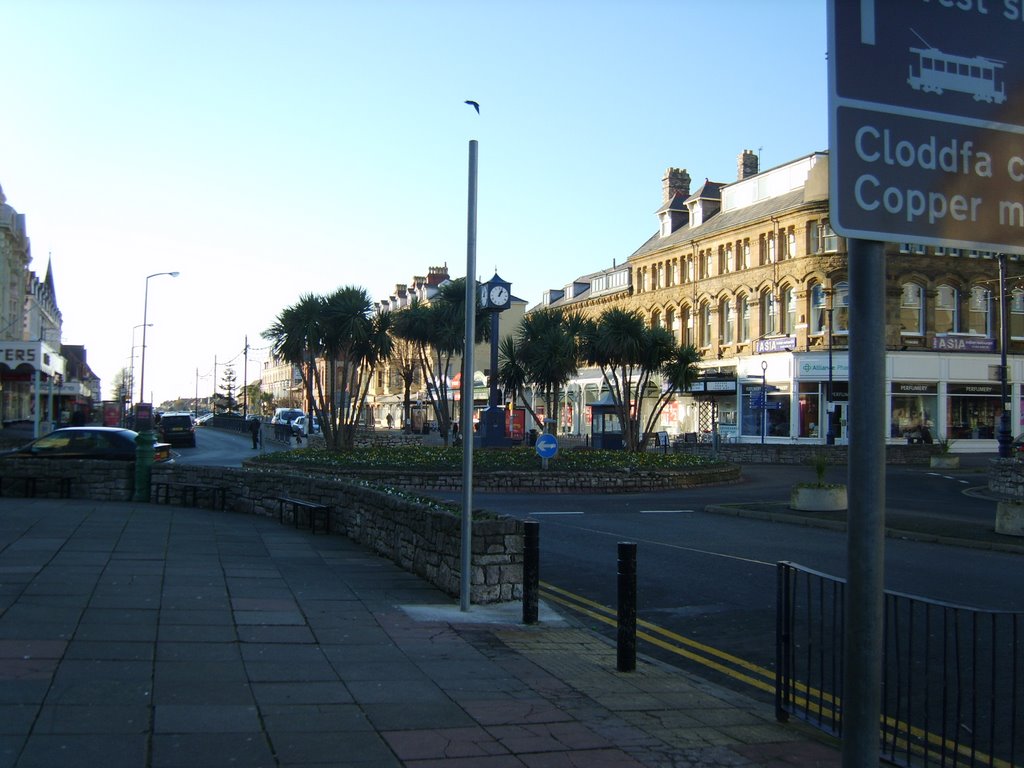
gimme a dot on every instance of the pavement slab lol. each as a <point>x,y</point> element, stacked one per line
<point>134,636</point>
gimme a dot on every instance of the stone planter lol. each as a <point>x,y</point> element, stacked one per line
<point>945,461</point>
<point>1010,518</point>
<point>830,498</point>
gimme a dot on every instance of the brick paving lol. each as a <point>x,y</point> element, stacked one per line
<point>142,636</point>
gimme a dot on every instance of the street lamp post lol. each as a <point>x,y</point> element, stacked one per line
<point>131,372</point>
<point>1004,436</point>
<point>830,433</point>
<point>144,416</point>
<point>764,397</point>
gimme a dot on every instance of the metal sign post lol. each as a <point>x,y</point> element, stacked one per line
<point>465,584</point>
<point>926,145</point>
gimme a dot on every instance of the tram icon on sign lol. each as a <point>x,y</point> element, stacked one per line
<point>937,72</point>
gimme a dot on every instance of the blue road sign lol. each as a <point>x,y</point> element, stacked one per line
<point>925,135</point>
<point>547,446</point>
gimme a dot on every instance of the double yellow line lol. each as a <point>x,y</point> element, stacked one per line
<point>712,658</point>
<point>811,700</point>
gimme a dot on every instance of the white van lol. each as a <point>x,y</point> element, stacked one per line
<point>286,415</point>
<point>300,426</point>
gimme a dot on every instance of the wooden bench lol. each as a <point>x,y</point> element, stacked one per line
<point>313,511</point>
<point>189,492</point>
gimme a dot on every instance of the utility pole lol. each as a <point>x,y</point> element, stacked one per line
<point>245,379</point>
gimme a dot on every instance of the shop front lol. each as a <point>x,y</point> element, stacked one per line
<point>973,410</point>
<point>766,410</point>
<point>28,383</point>
<point>913,407</point>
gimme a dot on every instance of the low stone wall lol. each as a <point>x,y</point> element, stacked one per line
<point>798,453</point>
<point>423,539</point>
<point>541,481</point>
<point>89,478</point>
<point>368,439</point>
<point>1006,478</point>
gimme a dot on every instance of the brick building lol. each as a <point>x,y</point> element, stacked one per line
<point>751,273</point>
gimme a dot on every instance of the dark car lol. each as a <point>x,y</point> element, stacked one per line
<point>89,443</point>
<point>178,428</point>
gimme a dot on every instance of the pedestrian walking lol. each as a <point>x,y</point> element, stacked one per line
<point>391,421</point>
<point>254,430</point>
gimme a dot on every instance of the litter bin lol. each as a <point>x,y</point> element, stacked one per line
<point>533,438</point>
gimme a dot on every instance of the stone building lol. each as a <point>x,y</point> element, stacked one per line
<point>387,392</point>
<point>752,275</point>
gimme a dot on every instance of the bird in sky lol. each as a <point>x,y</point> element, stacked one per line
<point>474,105</point>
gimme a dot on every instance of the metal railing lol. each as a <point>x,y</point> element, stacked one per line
<point>952,676</point>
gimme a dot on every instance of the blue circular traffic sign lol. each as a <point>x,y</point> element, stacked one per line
<point>547,446</point>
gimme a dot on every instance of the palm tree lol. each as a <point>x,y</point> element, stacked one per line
<point>546,353</point>
<point>367,354</point>
<point>513,376</point>
<point>437,329</point>
<point>296,336</point>
<point>678,371</point>
<point>411,325</point>
<point>346,323</point>
<point>635,362</point>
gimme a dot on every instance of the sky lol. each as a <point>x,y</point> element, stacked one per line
<point>268,150</point>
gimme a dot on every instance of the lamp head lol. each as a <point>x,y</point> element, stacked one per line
<point>173,274</point>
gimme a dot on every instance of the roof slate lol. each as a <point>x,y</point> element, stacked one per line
<point>723,221</point>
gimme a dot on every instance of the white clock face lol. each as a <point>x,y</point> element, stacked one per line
<point>499,295</point>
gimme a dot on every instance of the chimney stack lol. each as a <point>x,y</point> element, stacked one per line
<point>676,181</point>
<point>747,165</point>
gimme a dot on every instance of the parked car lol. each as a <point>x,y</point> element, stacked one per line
<point>89,443</point>
<point>286,415</point>
<point>203,419</point>
<point>300,426</point>
<point>178,428</point>
<point>282,422</point>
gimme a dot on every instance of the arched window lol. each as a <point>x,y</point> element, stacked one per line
<point>841,308</point>
<point>817,324</point>
<point>787,316</point>
<point>768,325</point>
<point>743,310</point>
<point>911,310</point>
<point>725,321</point>
<point>1017,314</point>
<point>705,325</point>
<point>670,322</point>
<point>947,309</point>
<point>979,312</point>
<point>686,325</point>
<point>655,319</point>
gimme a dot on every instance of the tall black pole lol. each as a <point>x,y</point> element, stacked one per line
<point>764,397</point>
<point>865,538</point>
<point>830,434</point>
<point>1004,435</point>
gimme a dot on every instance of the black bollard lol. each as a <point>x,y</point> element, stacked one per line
<point>627,607</point>
<point>531,570</point>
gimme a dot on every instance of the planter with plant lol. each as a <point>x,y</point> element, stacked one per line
<point>944,459</point>
<point>818,496</point>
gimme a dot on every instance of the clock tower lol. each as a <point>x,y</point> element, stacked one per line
<point>495,297</point>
